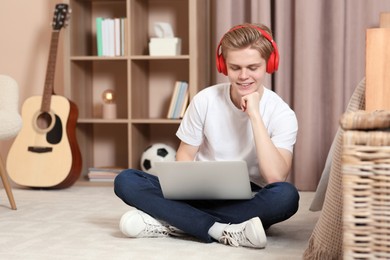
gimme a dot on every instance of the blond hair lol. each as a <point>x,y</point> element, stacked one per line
<point>247,35</point>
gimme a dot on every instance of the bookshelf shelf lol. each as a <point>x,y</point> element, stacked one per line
<point>156,121</point>
<point>147,57</point>
<point>143,84</point>
<point>102,121</point>
<point>96,58</point>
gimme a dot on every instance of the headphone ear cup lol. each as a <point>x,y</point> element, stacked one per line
<point>221,65</point>
<point>276,58</point>
<point>271,63</point>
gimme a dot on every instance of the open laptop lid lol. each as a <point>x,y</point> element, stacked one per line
<point>196,180</point>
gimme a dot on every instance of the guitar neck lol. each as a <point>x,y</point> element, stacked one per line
<point>50,71</point>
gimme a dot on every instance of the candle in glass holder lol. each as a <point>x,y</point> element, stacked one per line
<point>109,105</point>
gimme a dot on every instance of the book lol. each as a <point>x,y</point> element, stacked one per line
<point>176,105</point>
<point>99,37</point>
<point>103,173</point>
<point>111,36</point>
<point>173,99</point>
<point>105,36</point>
<point>123,36</point>
<point>117,37</point>
<point>180,99</point>
<point>185,104</point>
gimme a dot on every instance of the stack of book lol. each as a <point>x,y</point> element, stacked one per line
<point>111,36</point>
<point>179,100</point>
<point>103,174</point>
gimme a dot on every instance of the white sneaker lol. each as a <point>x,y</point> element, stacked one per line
<point>249,234</point>
<point>136,223</point>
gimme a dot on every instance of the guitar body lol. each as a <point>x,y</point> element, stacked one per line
<point>45,153</point>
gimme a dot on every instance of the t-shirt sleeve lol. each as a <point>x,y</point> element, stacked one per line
<point>284,130</point>
<point>191,127</point>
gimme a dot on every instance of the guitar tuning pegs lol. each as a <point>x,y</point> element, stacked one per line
<point>68,17</point>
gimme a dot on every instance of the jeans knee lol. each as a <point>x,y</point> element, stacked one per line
<point>291,195</point>
<point>288,196</point>
<point>291,191</point>
<point>123,181</point>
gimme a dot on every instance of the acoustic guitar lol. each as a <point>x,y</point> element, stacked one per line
<point>45,153</point>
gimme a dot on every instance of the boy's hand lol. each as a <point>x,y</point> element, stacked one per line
<point>250,103</point>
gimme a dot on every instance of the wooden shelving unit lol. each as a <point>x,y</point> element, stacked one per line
<point>143,84</point>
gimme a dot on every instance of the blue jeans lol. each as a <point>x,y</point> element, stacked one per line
<point>274,203</point>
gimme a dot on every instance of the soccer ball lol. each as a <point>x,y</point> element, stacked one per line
<point>156,153</point>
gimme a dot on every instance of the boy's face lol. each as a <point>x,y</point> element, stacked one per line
<point>246,70</point>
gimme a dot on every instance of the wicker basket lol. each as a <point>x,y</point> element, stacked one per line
<point>366,185</point>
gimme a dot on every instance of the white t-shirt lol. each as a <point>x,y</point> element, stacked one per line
<point>223,132</point>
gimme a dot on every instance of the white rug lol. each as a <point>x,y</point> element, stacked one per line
<point>81,222</point>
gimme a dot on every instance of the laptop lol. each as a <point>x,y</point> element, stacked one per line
<point>204,180</point>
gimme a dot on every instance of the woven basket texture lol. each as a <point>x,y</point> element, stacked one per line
<point>366,185</point>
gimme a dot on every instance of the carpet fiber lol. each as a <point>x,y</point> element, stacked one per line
<point>81,222</point>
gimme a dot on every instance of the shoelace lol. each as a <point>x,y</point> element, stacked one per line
<point>155,230</point>
<point>233,238</point>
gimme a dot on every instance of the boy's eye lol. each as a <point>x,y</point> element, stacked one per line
<point>251,68</point>
<point>234,68</point>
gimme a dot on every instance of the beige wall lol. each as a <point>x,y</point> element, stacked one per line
<point>25,30</point>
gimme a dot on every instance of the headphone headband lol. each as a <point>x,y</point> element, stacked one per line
<point>272,63</point>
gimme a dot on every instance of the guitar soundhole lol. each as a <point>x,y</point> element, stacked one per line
<point>51,125</point>
<point>44,121</point>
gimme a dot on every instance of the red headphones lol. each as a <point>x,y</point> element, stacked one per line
<point>272,63</point>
